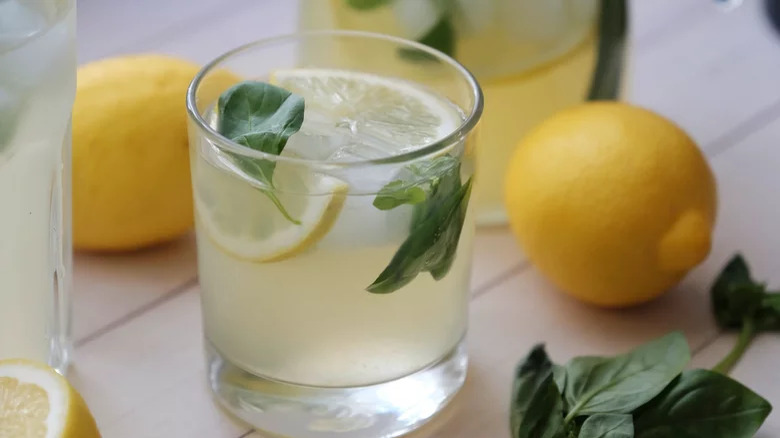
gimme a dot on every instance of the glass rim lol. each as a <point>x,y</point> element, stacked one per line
<point>466,126</point>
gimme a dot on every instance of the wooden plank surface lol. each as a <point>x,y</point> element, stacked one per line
<point>139,359</point>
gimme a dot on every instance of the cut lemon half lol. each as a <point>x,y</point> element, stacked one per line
<point>394,114</point>
<point>238,217</point>
<point>36,402</point>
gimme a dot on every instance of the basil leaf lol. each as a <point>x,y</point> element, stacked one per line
<point>443,255</point>
<point>365,5</point>
<point>432,242</point>
<point>536,410</point>
<point>735,295</point>
<point>559,375</point>
<point>702,404</point>
<point>270,113</point>
<point>530,377</point>
<point>608,426</point>
<point>621,384</point>
<point>416,182</point>
<point>440,37</point>
<point>739,302</point>
<point>398,193</point>
<point>262,117</point>
<point>544,417</point>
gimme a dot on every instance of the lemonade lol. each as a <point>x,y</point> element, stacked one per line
<point>532,59</point>
<point>37,83</point>
<point>334,264</point>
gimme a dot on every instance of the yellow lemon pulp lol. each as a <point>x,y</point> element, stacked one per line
<point>613,203</point>
<point>36,402</point>
<point>131,172</point>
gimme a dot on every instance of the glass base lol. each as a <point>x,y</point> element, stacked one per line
<point>380,411</point>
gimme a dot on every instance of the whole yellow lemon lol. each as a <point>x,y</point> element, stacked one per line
<point>613,203</point>
<point>131,174</point>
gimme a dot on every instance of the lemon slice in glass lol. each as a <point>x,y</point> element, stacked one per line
<point>391,114</point>
<point>36,402</point>
<point>241,220</point>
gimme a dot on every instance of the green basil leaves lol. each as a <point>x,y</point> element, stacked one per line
<point>640,394</point>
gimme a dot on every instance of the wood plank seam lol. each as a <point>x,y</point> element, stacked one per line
<point>666,31</point>
<point>500,278</point>
<point>138,312</point>
<point>742,130</point>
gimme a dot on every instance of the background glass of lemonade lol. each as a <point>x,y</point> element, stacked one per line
<point>301,339</point>
<point>531,57</point>
<point>37,87</point>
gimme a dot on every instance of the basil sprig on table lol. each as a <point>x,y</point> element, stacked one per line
<point>262,117</point>
<point>741,303</point>
<point>640,394</point>
<point>440,202</point>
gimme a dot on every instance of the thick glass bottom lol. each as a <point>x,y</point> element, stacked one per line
<point>384,410</point>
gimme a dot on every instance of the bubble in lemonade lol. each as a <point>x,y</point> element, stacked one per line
<point>37,84</point>
<point>532,58</point>
<point>335,277</point>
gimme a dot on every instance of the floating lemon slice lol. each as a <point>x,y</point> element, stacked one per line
<point>390,113</point>
<point>242,220</point>
<point>36,402</point>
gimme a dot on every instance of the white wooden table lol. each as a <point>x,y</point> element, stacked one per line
<point>137,319</point>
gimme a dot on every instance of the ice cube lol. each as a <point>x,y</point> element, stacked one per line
<point>314,146</point>
<point>416,17</point>
<point>18,21</point>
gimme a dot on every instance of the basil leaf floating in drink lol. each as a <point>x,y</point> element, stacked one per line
<point>416,182</point>
<point>437,221</point>
<point>440,34</point>
<point>440,37</point>
<point>262,117</point>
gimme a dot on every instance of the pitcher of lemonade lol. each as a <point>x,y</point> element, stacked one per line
<point>531,57</point>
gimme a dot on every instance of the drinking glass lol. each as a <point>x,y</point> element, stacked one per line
<point>532,58</point>
<point>37,88</point>
<point>335,293</point>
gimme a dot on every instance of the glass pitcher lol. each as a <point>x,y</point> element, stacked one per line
<point>37,88</point>
<point>531,57</point>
